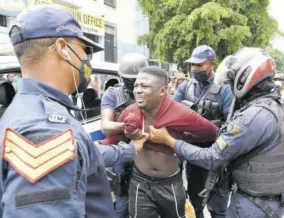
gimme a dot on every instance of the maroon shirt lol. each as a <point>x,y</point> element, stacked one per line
<point>176,117</point>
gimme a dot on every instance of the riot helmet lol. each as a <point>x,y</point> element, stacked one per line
<point>250,68</point>
<point>130,65</point>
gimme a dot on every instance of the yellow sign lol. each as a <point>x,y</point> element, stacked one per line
<point>89,23</point>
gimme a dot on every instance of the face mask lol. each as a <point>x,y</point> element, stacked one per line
<point>85,72</point>
<point>200,76</point>
<point>84,75</point>
<point>129,84</point>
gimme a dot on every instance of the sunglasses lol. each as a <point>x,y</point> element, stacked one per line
<point>197,65</point>
<point>88,49</point>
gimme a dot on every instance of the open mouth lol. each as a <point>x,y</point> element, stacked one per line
<point>139,99</point>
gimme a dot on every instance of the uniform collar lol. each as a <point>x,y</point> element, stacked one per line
<point>35,87</point>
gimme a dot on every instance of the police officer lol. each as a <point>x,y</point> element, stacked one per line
<point>114,100</point>
<point>212,101</point>
<point>46,155</point>
<point>252,143</point>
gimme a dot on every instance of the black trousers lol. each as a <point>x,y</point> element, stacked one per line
<point>153,197</point>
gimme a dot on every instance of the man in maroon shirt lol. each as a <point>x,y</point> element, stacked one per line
<point>156,187</point>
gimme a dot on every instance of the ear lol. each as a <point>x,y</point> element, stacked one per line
<point>62,49</point>
<point>163,91</point>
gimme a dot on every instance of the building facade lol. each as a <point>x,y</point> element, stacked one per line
<point>114,24</point>
<point>111,23</point>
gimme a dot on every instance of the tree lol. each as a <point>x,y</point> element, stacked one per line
<point>178,26</point>
<point>278,57</point>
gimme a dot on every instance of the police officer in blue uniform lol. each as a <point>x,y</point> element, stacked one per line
<point>47,157</point>
<point>252,143</point>
<point>212,101</point>
<point>114,100</point>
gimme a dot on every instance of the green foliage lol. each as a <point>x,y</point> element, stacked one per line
<point>278,57</point>
<point>178,26</point>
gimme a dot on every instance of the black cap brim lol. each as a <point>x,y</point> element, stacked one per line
<point>96,47</point>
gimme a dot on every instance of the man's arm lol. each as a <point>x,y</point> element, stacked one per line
<point>199,127</point>
<point>108,103</point>
<point>121,153</point>
<point>108,126</point>
<point>243,134</point>
<point>117,154</point>
<point>180,92</point>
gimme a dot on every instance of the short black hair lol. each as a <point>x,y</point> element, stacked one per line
<point>31,51</point>
<point>157,72</point>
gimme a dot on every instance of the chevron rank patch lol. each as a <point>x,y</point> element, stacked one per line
<point>34,161</point>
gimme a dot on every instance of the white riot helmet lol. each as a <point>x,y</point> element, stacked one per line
<point>248,67</point>
<point>220,76</point>
<point>130,65</point>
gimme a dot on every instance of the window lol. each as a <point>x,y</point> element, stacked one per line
<point>110,44</point>
<point>95,38</point>
<point>165,66</point>
<point>3,21</point>
<point>111,3</point>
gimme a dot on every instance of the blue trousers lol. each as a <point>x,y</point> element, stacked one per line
<point>121,202</point>
<point>247,209</point>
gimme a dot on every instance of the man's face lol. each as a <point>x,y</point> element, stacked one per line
<point>10,77</point>
<point>205,66</point>
<point>148,91</point>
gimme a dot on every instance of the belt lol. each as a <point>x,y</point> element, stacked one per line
<point>265,198</point>
<point>260,202</point>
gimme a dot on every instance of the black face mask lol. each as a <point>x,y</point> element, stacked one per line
<point>200,76</point>
<point>265,87</point>
<point>85,72</point>
<point>129,84</point>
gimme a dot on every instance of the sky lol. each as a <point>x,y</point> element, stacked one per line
<point>277,11</point>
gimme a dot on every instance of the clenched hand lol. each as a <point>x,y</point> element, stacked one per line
<point>139,143</point>
<point>161,136</point>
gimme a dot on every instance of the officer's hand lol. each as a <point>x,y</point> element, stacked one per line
<point>133,135</point>
<point>161,136</point>
<point>139,143</point>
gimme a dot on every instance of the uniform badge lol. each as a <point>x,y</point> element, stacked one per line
<point>58,118</point>
<point>234,130</point>
<point>221,143</point>
<point>34,161</point>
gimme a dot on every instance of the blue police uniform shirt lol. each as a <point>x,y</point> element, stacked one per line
<point>247,130</point>
<point>117,154</point>
<point>225,99</point>
<point>62,192</point>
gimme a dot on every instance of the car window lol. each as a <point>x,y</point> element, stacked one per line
<point>91,98</point>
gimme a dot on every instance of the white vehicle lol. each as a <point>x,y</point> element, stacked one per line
<point>104,75</point>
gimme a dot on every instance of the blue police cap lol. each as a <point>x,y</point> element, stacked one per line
<point>200,54</point>
<point>49,21</point>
